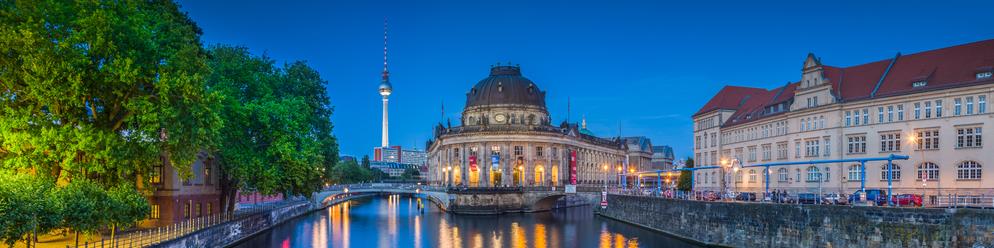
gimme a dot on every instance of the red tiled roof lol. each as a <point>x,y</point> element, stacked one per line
<point>729,97</point>
<point>948,67</point>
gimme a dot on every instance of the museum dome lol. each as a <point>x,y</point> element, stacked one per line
<point>505,85</point>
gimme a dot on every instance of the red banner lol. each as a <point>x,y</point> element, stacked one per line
<point>472,162</point>
<point>572,167</point>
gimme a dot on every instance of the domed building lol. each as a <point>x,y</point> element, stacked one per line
<point>506,138</point>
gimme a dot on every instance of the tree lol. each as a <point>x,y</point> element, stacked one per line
<point>347,172</point>
<point>684,183</point>
<point>277,134</point>
<point>410,173</point>
<point>84,206</point>
<point>27,208</point>
<point>126,207</point>
<point>101,89</point>
<point>365,161</point>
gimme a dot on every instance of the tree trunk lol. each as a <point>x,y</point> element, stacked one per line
<point>113,230</point>
<point>76,233</point>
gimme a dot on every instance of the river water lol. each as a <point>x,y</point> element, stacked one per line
<point>396,221</point>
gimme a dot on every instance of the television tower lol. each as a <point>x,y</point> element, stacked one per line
<point>385,89</point>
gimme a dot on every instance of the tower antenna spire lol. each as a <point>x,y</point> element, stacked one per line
<point>386,73</point>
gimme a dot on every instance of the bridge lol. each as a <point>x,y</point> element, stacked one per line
<point>463,200</point>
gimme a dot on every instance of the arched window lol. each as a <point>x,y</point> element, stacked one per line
<point>752,176</point>
<point>813,174</point>
<point>855,172</point>
<point>968,170</point>
<point>928,171</point>
<point>782,175</point>
<point>895,172</point>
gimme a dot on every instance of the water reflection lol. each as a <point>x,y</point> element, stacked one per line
<point>398,221</point>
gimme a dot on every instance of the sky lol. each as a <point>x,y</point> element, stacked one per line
<point>633,68</point>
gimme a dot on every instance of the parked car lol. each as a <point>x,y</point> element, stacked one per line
<point>746,196</point>
<point>833,198</point>
<point>907,200</point>
<point>807,198</point>
<point>876,196</point>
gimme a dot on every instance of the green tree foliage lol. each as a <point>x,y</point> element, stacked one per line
<point>365,161</point>
<point>126,206</point>
<point>350,172</point>
<point>410,173</point>
<point>101,89</point>
<point>684,183</point>
<point>277,134</point>
<point>26,207</point>
<point>84,206</point>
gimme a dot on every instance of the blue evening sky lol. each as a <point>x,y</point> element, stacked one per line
<point>632,67</point>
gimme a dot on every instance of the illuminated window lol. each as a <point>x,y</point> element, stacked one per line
<point>154,214</point>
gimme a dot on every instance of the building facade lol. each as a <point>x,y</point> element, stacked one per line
<point>662,158</point>
<point>175,199</point>
<point>506,139</point>
<point>932,106</point>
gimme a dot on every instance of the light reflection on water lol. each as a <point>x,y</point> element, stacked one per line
<point>397,221</point>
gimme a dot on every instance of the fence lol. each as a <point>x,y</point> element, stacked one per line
<point>153,236</point>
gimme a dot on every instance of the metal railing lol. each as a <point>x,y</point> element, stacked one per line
<point>152,236</point>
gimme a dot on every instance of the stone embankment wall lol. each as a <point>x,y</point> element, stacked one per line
<point>230,232</point>
<point>782,225</point>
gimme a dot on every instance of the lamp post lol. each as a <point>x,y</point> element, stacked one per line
<point>630,172</point>
<point>725,165</point>
<point>619,177</point>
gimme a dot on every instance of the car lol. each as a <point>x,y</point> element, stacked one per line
<point>746,196</point>
<point>876,196</point>
<point>833,198</point>
<point>907,200</point>
<point>807,198</point>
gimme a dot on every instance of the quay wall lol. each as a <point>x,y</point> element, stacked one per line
<point>741,224</point>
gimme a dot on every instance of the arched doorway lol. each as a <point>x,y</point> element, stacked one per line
<point>517,174</point>
<point>456,175</point>
<point>495,177</point>
<point>555,175</point>
<point>539,175</point>
<point>474,177</point>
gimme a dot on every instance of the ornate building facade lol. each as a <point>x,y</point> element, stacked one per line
<point>932,106</point>
<point>506,139</point>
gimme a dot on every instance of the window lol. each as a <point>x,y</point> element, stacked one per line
<point>697,142</point>
<point>917,84</point>
<point>938,108</point>
<point>186,210</point>
<point>782,150</point>
<point>928,110</point>
<point>969,170</point>
<point>767,152</point>
<point>813,174</point>
<point>199,213</point>
<point>848,119</point>
<point>154,214</point>
<point>798,178</point>
<point>890,142</point>
<point>782,175</point>
<point>900,112</point>
<point>752,176</point>
<point>828,147</point>
<point>816,98</point>
<point>856,144</point>
<point>928,171</point>
<point>714,177</point>
<point>518,150</point>
<point>969,105</point>
<point>895,172</point>
<point>797,149</point>
<point>828,174</point>
<point>455,153</point>
<point>969,137</point>
<point>984,75</point>
<point>207,171</point>
<point>855,121</point>
<point>156,176</point>
<point>957,106</point>
<point>538,151</point>
<point>855,173</point>
<point>927,139</point>
<point>752,154</point>
<point>811,148</point>
<point>890,113</point>
<point>714,140</point>
<point>918,111</point>
<point>982,104</point>
<point>880,114</point>
<point>210,208</point>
